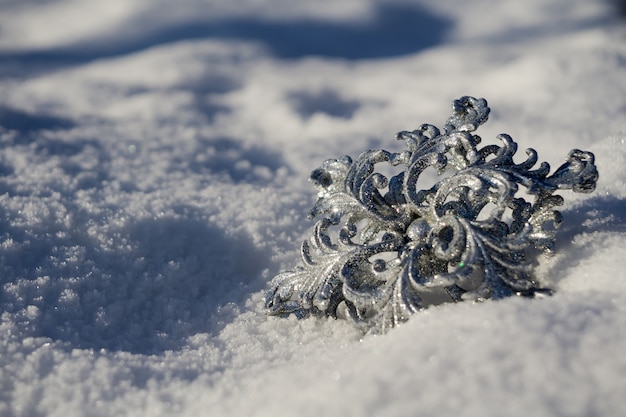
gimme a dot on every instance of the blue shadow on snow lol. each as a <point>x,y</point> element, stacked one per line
<point>397,29</point>
<point>175,278</point>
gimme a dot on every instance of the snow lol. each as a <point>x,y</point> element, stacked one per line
<point>153,178</point>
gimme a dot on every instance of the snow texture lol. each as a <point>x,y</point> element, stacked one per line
<point>153,178</point>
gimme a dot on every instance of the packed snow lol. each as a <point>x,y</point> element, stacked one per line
<point>153,179</point>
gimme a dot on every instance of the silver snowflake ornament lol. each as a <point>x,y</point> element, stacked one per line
<point>384,248</point>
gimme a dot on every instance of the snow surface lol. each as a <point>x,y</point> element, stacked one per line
<point>153,178</point>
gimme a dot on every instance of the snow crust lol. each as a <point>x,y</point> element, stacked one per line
<point>153,178</point>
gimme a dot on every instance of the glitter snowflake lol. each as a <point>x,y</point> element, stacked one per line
<point>384,248</point>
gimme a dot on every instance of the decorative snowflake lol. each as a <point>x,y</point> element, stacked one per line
<point>383,248</point>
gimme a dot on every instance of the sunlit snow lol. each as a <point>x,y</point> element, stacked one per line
<point>153,179</point>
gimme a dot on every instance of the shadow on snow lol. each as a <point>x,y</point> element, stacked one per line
<point>15,119</point>
<point>397,29</point>
<point>597,214</point>
<point>164,279</point>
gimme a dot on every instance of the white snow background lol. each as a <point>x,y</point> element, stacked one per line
<point>153,178</point>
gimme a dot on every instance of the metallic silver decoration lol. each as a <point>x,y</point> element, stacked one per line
<point>384,248</point>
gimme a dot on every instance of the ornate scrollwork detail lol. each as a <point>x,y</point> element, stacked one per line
<point>384,248</point>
